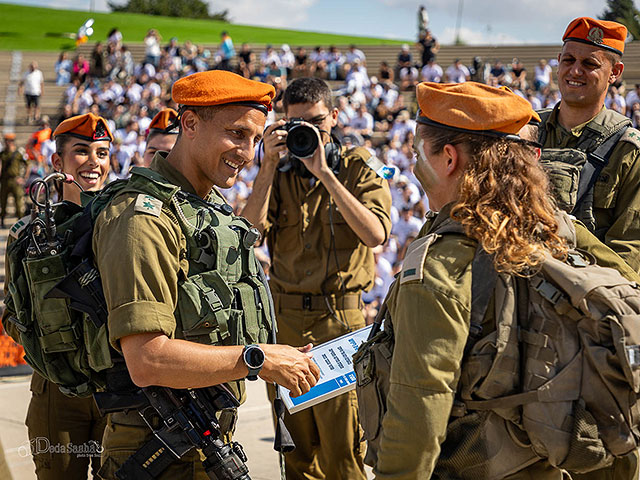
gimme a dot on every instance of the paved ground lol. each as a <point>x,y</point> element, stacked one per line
<point>254,431</point>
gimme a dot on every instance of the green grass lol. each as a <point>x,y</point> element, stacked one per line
<point>36,28</point>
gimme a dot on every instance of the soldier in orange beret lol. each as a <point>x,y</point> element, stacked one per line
<point>444,316</point>
<point>54,419</point>
<point>162,134</point>
<point>180,276</point>
<point>603,146</point>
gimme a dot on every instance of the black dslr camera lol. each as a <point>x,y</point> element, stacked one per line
<point>302,140</point>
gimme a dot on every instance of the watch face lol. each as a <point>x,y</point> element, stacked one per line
<point>254,357</point>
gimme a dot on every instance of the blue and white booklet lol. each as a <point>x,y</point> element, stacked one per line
<point>334,359</point>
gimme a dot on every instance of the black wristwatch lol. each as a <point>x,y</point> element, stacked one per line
<point>253,357</point>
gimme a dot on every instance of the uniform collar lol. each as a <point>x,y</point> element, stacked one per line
<point>163,167</point>
<point>578,129</point>
<point>159,164</point>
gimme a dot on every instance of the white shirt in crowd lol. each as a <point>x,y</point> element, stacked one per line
<point>33,83</point>
<point>432,73</point>
<point>457,74</point>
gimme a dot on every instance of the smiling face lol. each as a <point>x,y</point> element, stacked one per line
<point>584,74</point>
<point>87,162</point>
<point>220,147</point>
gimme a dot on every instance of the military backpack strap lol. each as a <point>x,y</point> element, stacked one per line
<point>542,130</point>
<point>483,283</point>
<point>596,161</point>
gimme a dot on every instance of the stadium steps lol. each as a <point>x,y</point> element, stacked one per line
<point>528,55</point>
<point>50,102</point>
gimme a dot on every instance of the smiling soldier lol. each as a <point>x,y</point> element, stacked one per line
<point>597,150</point>
<point>599,143</point>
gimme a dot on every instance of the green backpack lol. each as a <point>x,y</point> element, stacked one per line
<point>555,375</point>
<point>56,304</point>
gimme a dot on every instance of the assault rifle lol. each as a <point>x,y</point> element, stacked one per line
<point>181,420</point>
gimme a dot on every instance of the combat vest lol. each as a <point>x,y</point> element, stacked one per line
<point>551,370</point>
<point>574,171</point>
<point>221,301</point>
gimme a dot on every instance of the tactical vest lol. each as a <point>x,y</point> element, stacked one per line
<point>551,371</point>
<point>221,301</point>
<point>574,171</point>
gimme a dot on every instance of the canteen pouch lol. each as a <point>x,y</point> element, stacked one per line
<point>372,366</point>
<point>56,332</point>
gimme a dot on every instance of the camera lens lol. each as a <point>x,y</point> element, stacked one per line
<point>302,141</point>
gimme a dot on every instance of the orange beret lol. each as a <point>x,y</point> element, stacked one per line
<point>163,122</point>
<point>87,127</point>
<point>219,87</point>
<point>600,33</point>
<point>9,136</point>
<point>473,107</point>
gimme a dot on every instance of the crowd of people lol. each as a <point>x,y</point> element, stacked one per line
<point>373,112</point>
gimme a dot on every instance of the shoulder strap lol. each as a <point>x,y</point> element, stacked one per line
<point>542,130</point>
<point>483,283</point>
<point>596,161</point>
<point>145,180</point>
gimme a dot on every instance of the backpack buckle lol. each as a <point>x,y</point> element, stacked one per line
<point>547,290</point>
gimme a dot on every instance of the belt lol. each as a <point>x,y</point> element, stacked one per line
<point>304,301</point>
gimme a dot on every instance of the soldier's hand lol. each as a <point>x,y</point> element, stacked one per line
<point>274,143</point>
<point>290,367</point>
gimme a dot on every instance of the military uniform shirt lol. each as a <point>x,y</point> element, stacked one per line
<point>299,231</point>
<point>12,165</point>
<point>430,317</point>
<point>616,195</point>
<point>141,257</point>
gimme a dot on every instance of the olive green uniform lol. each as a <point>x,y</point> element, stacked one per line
<point>616,202</point>
<point>430,312</point>
<point>315,254</point>
<point>13,165</point>
<point>616,194</point>
<point>141,290</point>
<point>57,419</point>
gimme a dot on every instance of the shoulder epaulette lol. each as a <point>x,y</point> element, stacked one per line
<point>631,135</point>
<point>19,226</point>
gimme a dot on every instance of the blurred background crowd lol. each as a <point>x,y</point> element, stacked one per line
<point>372,111</point>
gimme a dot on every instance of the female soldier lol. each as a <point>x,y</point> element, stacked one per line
<point>479,175</point>
<point>56,422</point>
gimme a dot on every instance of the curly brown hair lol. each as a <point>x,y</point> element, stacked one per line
<point>503,199</point>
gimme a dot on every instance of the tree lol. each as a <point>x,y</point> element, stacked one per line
<point>170,8</point>
<point>624,12</point>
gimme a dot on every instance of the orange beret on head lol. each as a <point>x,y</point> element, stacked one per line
<point>163,122</point>
<point>219,87</point>
<point>473,107</point>
<point>87,127</point>
<point>600,33</point>
<point>9,136</point>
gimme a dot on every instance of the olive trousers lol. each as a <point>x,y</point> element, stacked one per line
<point>11,187</point>
<point>327,435</point>
<point>65,433</point>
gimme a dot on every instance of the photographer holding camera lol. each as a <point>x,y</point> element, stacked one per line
<point>322,208</point>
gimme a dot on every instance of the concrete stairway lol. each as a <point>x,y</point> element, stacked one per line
<point>13,112</point>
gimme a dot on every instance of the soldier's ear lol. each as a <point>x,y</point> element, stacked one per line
<point>616,72</point>
<point>56,161</point>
